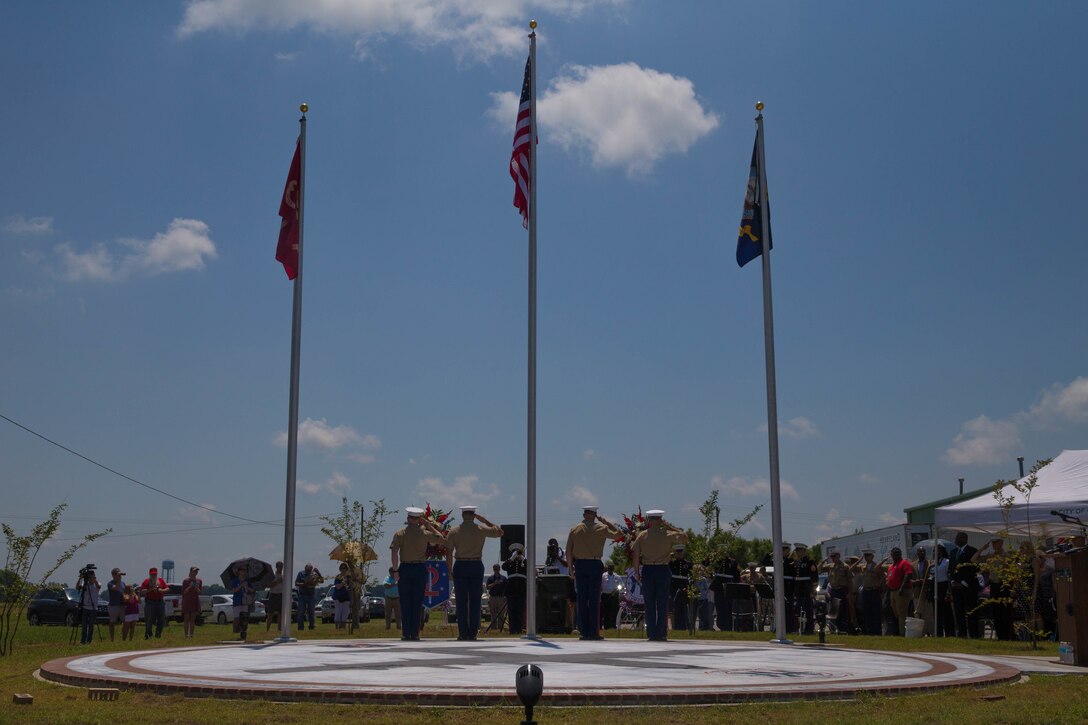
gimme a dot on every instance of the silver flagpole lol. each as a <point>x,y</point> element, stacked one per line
<point>292,408</point>
<point>530,486</point>
<point>772,397</point>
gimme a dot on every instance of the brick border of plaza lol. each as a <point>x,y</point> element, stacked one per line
<point>889,686</point>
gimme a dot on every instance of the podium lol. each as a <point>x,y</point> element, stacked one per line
<point>1071,592</point>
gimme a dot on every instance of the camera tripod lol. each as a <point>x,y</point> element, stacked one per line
<point>77,623</point>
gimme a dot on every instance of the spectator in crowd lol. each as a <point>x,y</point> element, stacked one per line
<point>923,590</point>
<point>872,581</point>
<point>153,590</point>
<point>704,607</point>
<point>838,583</point>
<point>132,613</point>
<point>341,597</point>
<point>306,582</point>
<point>392,601</point>
<point>992,559</point>
<point>191,589</point>
<point>115,605</point>
<point>496,597</point>
<point>898,580</point>
<point>88,588</point>
<point>274,605</point>
<point>611,583</point>
<point>963,580</point>
<point>242,588</point>
<point>946,624</point>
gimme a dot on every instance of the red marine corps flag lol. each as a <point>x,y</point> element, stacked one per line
<point>287,247</point>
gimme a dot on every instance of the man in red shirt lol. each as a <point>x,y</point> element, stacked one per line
<point>152,590</point>
<point>899,586</point>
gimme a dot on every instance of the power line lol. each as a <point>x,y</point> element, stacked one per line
<point>129,478</point>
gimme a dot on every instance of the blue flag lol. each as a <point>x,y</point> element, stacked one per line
<point>750,236</point>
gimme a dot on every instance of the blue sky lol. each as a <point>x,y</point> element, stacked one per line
<point>925,164</point>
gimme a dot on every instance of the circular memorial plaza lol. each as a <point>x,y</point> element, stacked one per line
<point>442,672</point>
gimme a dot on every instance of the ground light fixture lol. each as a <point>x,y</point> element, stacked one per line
<point>529,683</point>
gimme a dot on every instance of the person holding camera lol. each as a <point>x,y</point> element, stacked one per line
<point>190,601</point>
<point>585,545</point>
<point>515,588</point>
<point>88,587</point>
<point>115,589</point>
<point>154,589</point>
<point>306,582</point>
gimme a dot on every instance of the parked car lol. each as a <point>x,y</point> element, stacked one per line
<point>223,609</point>
<point>60,606</point>
<point>375,609</point>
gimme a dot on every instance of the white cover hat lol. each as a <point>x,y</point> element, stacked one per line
<point>590,508</point>
<point>468,509</point>
<point>655,513</point>
<point>413,512</point>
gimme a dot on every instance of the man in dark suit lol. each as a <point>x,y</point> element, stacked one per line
<point>963,575</point>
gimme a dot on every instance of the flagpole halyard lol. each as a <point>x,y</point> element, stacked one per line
<point>772,392</point>
<point>292,414</point>
<point>530,493</point>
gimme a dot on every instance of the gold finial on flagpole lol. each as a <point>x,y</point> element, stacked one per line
<point>304,107</point>
<point>532,25</point>
<point>759,106</point>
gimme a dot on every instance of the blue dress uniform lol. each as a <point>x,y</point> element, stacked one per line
<point>585,544</point>
<point>516,582</point>
<point>466,542</point>
<point>409,551</point>
<point>726,572</point>
<point>650,560</point>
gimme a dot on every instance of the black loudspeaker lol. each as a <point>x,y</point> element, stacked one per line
<point>553,604</point>
<point>511,534</point>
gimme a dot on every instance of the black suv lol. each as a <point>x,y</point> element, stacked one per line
<point>60,606</point>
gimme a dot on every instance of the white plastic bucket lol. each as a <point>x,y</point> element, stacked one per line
<point>915,628</point>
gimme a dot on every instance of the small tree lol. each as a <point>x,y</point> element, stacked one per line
<point>16,587</point>
<point>356,536</point>
<point>1015,568</point>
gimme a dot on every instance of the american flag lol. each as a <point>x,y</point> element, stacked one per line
<point>519,158</point>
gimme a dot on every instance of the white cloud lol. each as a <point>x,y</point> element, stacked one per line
<point>889,518</point>
<point>202,515</point>
<point>363,458</point>
<point>581,496</point>
<point>983,442</point>
<point>472,28</point>
<point>745,486</point>
<point>1061,404</point>
<point>337,483</point>
<point>464,490</point>
<point>34,225</point>
<point>795,428</point>
<point>868,478</point>
<point>589,454</point>
<point>622,115</point>
<point>184,246</point>
<point>287,57</point>
<point>319,434</point>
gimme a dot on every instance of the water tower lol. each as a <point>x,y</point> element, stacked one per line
<point>168,570</point>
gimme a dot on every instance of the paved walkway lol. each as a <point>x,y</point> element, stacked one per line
<point>613,672</point>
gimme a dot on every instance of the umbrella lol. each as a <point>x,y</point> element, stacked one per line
<point>258,572</point>
<point>359,551</point>
<point>930,546</point>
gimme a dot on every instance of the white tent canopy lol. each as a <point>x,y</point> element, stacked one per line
<point>1062,486</point>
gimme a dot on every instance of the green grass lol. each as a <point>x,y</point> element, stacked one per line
<point>1041,699</point>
